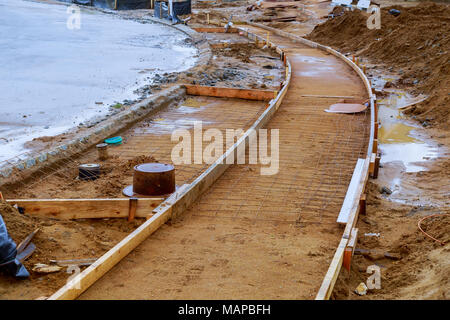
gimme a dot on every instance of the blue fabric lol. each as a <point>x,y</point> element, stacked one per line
<point>8,252</point>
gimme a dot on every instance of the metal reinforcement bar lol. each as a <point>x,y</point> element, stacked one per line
<point>351,207</point>
<point>172,206</point>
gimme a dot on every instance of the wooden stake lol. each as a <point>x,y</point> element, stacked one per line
<point>375,146</point>
<point>375,133</point>
<point>207,17</point>
<point>375,106</point>
<point>132,209</point>
<point>350,249</point>
<point>377,166</point>
<point>362,204</point>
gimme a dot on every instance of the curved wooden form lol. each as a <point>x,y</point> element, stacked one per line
<point>175,204</point>
<point>351,205</point>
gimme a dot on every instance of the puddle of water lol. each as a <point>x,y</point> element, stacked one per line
<point>398,140</point>
<point>193,103</point>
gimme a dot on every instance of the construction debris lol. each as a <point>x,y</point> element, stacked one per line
<point>361,289</point>
<point>74,262</point>
<point>45,268</point>
<point>346,108</point>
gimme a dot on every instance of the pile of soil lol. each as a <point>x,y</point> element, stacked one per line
<point>277,15</point>
<point>416,44</point>
<point>57,240</point>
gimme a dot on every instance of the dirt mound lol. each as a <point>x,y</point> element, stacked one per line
<point>416,43</point>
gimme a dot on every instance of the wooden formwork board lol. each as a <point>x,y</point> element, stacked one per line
<point>66,209</point>
<point>222,92</point>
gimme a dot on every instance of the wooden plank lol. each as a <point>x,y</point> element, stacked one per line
<point>216,30</point>
<point>66,209</point>
<point>221,92</point>
<point>354,212</point>
<point>332,274</point>
<point>353,238</point>
<point>351,196</point>
<point>85,279</point>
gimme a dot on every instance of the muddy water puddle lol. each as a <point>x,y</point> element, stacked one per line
<point>401,140</point>
<point>406,150</point>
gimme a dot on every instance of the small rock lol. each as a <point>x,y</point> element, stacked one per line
<point>394,12</point>
<point>44,268</point>
<point>361,289</point>
<point>385,190</point>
